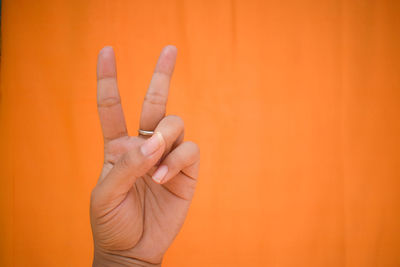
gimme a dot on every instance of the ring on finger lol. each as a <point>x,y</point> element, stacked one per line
<point>145,133</point>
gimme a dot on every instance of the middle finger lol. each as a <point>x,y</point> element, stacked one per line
<point>154,104</point>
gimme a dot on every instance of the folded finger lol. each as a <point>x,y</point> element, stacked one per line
<point>184,158</point>
<point>172,129</point>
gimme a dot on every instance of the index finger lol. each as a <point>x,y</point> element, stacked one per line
<point>155,101</point>
<point>108,100</point>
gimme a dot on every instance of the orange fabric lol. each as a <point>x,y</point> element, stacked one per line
<point>295,105</point>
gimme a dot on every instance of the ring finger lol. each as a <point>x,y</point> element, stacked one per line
<point>172,129</point>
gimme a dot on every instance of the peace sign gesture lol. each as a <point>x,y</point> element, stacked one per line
<point>146,185</point>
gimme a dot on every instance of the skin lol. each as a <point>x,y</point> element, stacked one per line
<point>134,215</point>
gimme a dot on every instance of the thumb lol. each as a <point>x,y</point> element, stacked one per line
<point>132,165</point>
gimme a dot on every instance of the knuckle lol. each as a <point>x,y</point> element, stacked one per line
<point>155,98</point>
<point>172,165</point>
<point>176,120</point>
<point>132,163</point>
<point>193,147</point>
<point>109,102</point>
<point>126,161</point>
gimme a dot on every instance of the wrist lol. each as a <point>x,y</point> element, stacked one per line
<point>103,259</point>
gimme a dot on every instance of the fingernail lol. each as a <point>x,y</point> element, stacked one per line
<point>152,144</point>
<point>160,173</point>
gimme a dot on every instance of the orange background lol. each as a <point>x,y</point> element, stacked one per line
<point>295,105</point>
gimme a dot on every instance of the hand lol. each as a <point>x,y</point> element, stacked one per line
<point>146,185</point>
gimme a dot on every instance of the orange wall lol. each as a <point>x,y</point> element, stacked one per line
<point>295,105</point>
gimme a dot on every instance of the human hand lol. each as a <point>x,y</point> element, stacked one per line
<point>146,185</point>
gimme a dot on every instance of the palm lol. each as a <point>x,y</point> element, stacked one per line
<point>141,220</point>
<point>148,205</point>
